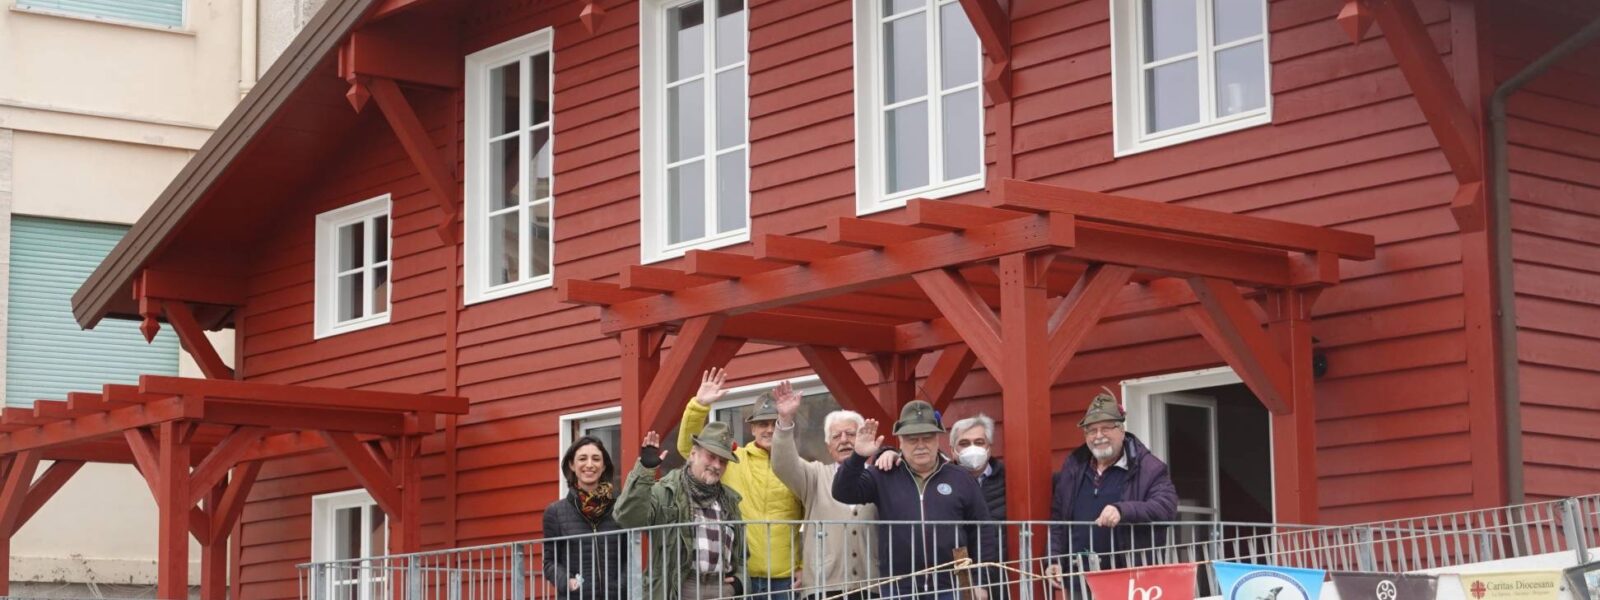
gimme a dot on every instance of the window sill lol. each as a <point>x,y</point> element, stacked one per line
<point>327,331</point>
<point>1201,133</point>
<point>943,190</point>
<point>719,241</point>
<point>508,290</point>
<point>33,10</point>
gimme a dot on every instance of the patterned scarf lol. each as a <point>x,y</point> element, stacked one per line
<point>594,505</point>
<point>702,494</point>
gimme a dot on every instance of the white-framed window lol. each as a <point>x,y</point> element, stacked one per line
<point>346,526</point>
<point>694,126</point>
<point>919,102</point>
<point>604,424</point>
<point>352,267</point>
<point>1187,69</point>
<point>510,180</point>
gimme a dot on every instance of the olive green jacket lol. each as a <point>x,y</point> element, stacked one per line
<point>648,501</point>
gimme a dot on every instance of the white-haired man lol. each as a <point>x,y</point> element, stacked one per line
<point>842,559</point>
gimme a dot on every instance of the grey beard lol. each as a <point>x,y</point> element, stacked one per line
<point>1103,453</point>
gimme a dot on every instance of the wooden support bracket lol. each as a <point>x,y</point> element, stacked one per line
<point>419,147</point>
<point>1225,320</point>
<point>193,338</point>
<point>1080,311</point>
<point>842,380</point>
<point>973,318</point>
<point>369,469</point>
<point>680,372</point>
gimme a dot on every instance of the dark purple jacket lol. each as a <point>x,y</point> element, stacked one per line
<point>1147,496</point>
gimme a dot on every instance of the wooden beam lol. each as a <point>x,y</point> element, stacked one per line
<point>861,233</point>
<point>598,293</point>
<point>16,415</point>
<point>1081,310</point>
<point>949,371</point>
<point>175,511</point>
<point>640,358</point>
<point>223,412</point>
<point>14,490</point>
<point>228,509</point>
<point>59,473</point>
<point>222,458</point>
<point>201,288</point>
<point>1452,124</point>
<point>637,278</point>
<point>951,216</point>
<point>968,314</point>
<point>193,338</point>
<point>50,410</point>
<point>1225,320</point>
<point>790,330</point>
<point>368,470</point>
<point>297,395</point>
<point>680,372</point>
<point>897,379</point>
<point>419,147</point>
<point>1183,220</point>
<point>851,272</point>
<point>1294,435</point>
<point>725,265</point>
<point>146,451</point>
<point>844,383</point>
<point>797,251</point>
<point>1025,386</point>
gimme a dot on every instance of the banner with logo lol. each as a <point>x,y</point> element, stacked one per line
<point>1241,581</point>
<point>1385,586</point>
<point>1168,582</point>
<point>1512,585</point>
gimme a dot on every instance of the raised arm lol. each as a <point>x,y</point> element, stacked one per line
<point>795,472</point>
<point>636,505</point>
<point>853,484</point>
<point>699,408</point>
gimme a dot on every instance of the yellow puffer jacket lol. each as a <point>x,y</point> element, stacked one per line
<point>772,554</point>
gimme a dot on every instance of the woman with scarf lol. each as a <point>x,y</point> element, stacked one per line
<point>581,559</point>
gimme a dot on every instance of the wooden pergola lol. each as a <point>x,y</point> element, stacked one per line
<point>1016,284</point>
<point>200,444</point>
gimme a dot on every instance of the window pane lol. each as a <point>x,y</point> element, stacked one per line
<point>1241,79</point>
<point>349,297</point>
<point>380,291</point>
<point>505,85</point>
<point>685,121</point>
<point>958,47</point>
<point>730,108</point>
<point>685,42</point>
<point>505,173</point>
<point>730,32</point>
<point>346,533</point>
<point>894,7</point>
<point>610,435</point>
<point>503,238</point>
<point>380,239</point>
<point>963,140</point>
<point>376,535</point>
<point>686,198</point>
<point>906,143</point>
<point>539,239</point>
<point>539,74</point>
<point>539,169</point>
<point>1190,448</point>
<point>731,205</point>
<point>351,240</point>
<point>1172,94</point>
<point>1236,19</point>
<point>905,60</point>
<point>1169,28</point>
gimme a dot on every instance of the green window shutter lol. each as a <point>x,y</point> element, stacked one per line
<point>166,13</point>
<point>47,354</point>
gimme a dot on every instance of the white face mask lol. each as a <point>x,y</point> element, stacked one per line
<point>973,457</point>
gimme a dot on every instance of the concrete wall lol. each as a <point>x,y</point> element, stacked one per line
<point>96,118</point>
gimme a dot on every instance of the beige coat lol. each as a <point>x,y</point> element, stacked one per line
<point>845,557</point>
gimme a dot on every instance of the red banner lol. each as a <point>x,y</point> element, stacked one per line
<point>1170,582</point>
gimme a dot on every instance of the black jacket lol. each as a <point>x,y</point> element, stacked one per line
<point>994,490</point>
<point>601,559</point>
<point>950,494</point>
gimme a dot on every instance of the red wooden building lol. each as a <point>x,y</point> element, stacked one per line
<point>1293,224</point>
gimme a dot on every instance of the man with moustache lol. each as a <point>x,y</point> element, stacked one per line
<point>1112,481</point>
<point>842,558</point>
<point>928,489</point>
<point>773,556</point>
<point>704,556</point>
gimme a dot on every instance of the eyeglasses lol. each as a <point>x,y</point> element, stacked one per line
<point>1098,430</point>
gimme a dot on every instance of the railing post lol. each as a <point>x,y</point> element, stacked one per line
<point>635,564</point>
<point>414,578</point>
<point>1024,560</point>
<point>455,584</point>
<point>519,573</point>
<point>1572,523</point>
<point>314,581</point>
<point>1365,556</point>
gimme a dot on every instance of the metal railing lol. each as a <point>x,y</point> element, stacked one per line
<point>1017,560</point>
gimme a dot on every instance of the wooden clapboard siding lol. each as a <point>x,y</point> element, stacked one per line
<point>1553,130</point>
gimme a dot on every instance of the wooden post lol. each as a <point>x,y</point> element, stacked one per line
<point>640,362</point>
<point>1294,434</point>
<point>1025,387</point>
<point>897,380</point>
<point>18,478</point>
<point>173,502</point>
<point>405,527</point>
<point>214,552</point>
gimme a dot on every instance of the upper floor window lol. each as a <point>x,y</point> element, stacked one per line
<point>509,183</point>
<point>919,110</point>
<point>1188,69</point>
<point>161,13</point>
<point>694,127</point>
<point>352,270</point>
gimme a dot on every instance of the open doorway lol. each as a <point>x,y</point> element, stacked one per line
<point>1216,438</point>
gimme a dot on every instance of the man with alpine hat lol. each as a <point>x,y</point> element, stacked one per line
<point>703,555</point>
<point>1112,481</point>
<point>774,551</point>
<point>929,489</point>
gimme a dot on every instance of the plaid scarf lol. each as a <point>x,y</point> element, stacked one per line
<point>713,541</point>
<point>594,505</point>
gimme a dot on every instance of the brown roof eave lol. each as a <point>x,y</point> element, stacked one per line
<point>319,37</point>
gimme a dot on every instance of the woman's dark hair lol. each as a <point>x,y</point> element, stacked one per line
<point>572,452</point>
